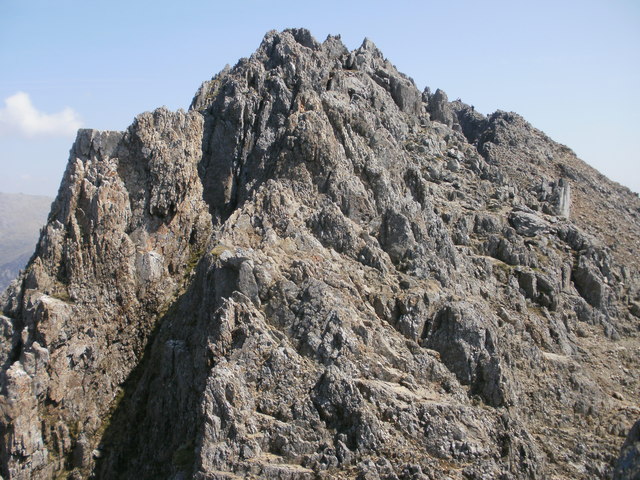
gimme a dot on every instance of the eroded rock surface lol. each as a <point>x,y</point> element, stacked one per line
<point>320,272</point>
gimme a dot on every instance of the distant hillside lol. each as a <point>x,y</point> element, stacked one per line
<point>21,217</point>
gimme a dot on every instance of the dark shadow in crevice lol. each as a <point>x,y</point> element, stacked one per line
<point>153,426</point>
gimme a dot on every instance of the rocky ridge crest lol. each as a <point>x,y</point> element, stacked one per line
<point>321,272</point>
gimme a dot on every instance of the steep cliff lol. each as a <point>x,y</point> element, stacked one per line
<point>321,272</point>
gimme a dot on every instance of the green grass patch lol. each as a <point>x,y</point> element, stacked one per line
<point>219,250</point>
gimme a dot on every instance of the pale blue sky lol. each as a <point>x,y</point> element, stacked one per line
<point>572,68</point>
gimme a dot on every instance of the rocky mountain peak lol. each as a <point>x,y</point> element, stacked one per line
<point>320,272</point>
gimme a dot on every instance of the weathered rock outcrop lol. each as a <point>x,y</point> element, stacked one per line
<point>128,224</point>
<point>318,272</point>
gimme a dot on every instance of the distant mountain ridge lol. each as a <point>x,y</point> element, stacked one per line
<point>21,218</point>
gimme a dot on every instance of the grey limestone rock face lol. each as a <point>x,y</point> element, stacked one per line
<point>319,273</point>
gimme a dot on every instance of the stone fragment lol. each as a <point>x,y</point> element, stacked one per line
<point>527,224</point>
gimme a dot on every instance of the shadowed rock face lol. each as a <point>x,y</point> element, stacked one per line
<point>320,272</point>
<point>628,464</point>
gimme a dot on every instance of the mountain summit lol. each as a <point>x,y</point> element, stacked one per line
<point>319,272</point>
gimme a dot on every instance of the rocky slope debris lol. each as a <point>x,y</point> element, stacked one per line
<point>21,217</point>
<point>321,272</point>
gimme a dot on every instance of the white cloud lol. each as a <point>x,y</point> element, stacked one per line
<point>20,117</point>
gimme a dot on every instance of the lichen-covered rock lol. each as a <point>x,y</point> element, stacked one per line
<point>318,272</point>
